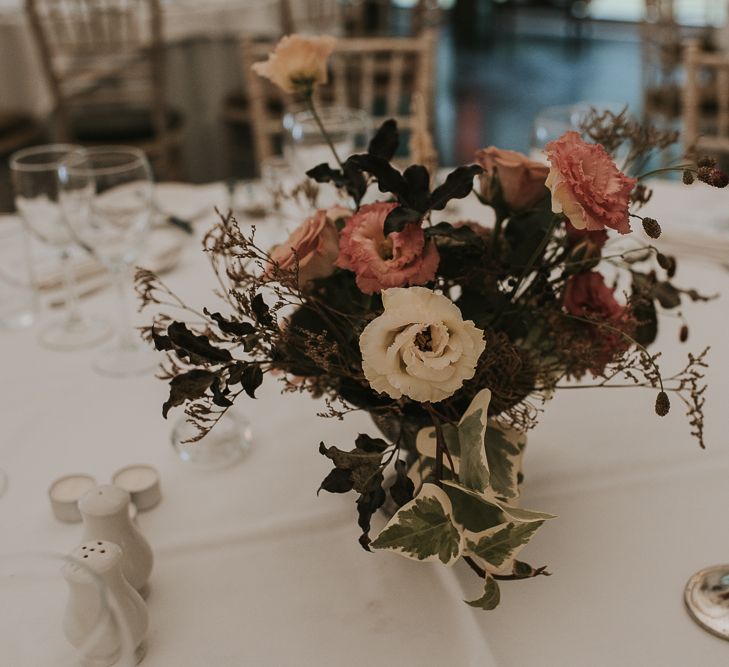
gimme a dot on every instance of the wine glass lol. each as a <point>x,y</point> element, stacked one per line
<point>107,196</point>
<point>305,146</point>
<point>35,183</point>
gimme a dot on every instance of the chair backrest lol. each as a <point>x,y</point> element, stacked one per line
<point>380,75</point>
<point>101,52</point>
<point>706,89</point>
<point>312,17</point>
<point>660,47</point>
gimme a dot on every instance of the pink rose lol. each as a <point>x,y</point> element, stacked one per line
<point>587,186</point>
<point>297,63</point>
<point>522,181</point>
<point>587,295</point>
<point>403,258</point>
<point>315,243</point>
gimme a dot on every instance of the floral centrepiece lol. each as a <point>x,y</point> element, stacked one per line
<point>450,332</point>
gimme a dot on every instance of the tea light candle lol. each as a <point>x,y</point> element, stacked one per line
<point>142,483</point>
<point>64,494</point>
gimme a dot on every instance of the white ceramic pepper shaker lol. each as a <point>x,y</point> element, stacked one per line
<point>105,513</point>
<point>98,631</point>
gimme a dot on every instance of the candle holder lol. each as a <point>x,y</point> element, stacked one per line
<point>707,599</point>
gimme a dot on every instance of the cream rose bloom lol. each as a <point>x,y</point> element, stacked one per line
<point>297,63</point>
<point>420,347</point>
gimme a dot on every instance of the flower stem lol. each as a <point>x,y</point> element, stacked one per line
<point>679,167</point>
<point>535,256</point>
<point>322,129</point>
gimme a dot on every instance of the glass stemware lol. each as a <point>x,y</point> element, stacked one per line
<point>304,145</point>
<point>35,183</point>
<point>107,195</point>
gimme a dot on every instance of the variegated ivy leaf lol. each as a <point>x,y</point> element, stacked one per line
<point>426,443</point>
<point>473,512</point>
<point>522,515</point>
<point>490,598</point>
<point>474,467</point>
<point>423,529</point>
<point>504,451</point>
<point>476,512</point>
<point>499,546</point>
<point>465,443</point>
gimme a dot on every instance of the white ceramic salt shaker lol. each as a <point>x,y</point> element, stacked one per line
<point>97,631</point>
<point>105,512</point>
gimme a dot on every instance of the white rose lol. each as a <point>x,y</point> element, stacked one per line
<point>420,346</point>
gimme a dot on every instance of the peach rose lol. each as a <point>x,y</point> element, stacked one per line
<point>315,243</point>
<point>403,258</point>
<point>587,186</point>
<point>522,181</point>
<point>297,63</point>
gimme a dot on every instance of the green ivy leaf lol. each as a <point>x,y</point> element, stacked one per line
<point>504,451</point>
<point>473,512</point>
<point>474,468</point>
<point>490,598</point>
<point>499,545</point>
<point>423,529</point>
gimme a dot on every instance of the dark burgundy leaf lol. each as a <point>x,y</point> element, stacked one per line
<point>403,488</point>
<point>188,387</point>
<point>162,343</point>
<point>187,341</point>
<point>219,395</point>
<point>261,311</point>
<point>369,444</point>
<point>367,504</point>
<point>231,326</point>
<point>337,481</point>
<point>399,217</point>
<point>458,185</point>
<point>388,178</point>
<point>386,140</point>
<point>418,180</point>
<point>251,379</point>
<point>323,173</point>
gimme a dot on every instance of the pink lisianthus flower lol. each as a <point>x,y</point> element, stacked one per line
<point>313,246</point>
<point>587,186</point>
<point>378,262</point>
<point>586,295</point>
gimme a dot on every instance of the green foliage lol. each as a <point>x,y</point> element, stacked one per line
<point>490,598</point>
<point>500,544</point>
<point>504,450</point>
<point>423,529</point>
<point>474,468</point>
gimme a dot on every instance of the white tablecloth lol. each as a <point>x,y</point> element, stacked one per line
<point>253,568</point>
<point>22,82</point>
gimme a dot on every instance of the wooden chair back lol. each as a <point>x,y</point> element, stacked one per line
<point>104,53</point>
<point>380,75</point>
<point>312,17</point>
<point>705,100</point>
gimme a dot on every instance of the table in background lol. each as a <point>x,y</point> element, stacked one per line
<point>253,568</point>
